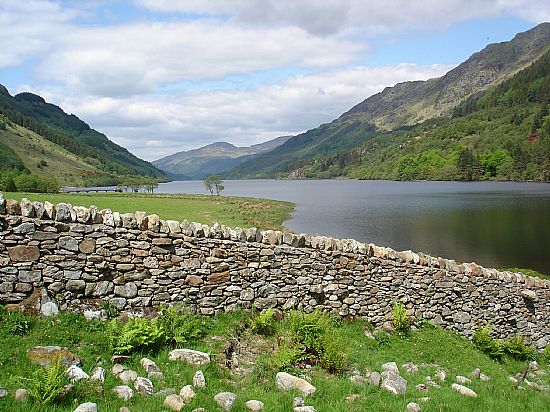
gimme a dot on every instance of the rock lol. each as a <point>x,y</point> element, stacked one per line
<point>393,382</point>
<point>463,390</point>
<point>117,369</point>
<point>483,377</point>
<point>297,401</point>
<point>286,382</point>
<point>225,400</point>
<point>254,405</point>
<point>124,392</point>
<point>192,357</point>
<point>20,395</point>
<point>475,373</point>
<point>410,368</point>
<point>199,381</point>
<point>123,409</point>
<point>49,309</point>
<point>390,366</point>
<point>533,366</point>
<point>23,253</point>
<point>151,368</point>
<point>86,407</point>
<point>128,376</point>
<point>174,402</point>
<point>357,379</point>
<point>529,295</point>
<point>2,204</point>
<point>421,387</point>
<point>512,379</point>
<point>49,210</point>
<point>374,379</point>
<point>440,374</point>
<point>27,208</point>
<point>3,391</point>
<point>13,207</point>
<point>431,382</point>
<point>98,375</point>
<point>44,355</point>
<point>304,409</point>
<point>187,394</point>
<point>144,386</point>
<point>413,407</point>
<point>462,379</point>
<point>68,243</point>
<point>165,392</point>
<point>75,374</point>
<point>369,334</point>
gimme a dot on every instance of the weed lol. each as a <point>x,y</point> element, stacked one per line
<point>400,319</point>
<point>15,323</point>
<point>265,323</point>
<point>47,384</point>
<point>136,334</point>
<point>180,327</point>
<point>517,349</point>
<point>111,311</point>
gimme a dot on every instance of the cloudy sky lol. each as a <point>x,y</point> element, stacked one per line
<point>160,76</point>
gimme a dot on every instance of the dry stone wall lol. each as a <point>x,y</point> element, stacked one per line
<point>80,257</point>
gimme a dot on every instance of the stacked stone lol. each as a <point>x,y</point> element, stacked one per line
<point>83,256</point>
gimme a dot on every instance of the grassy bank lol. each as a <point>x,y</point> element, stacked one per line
<point>430,347</point>
<point>227,210</point>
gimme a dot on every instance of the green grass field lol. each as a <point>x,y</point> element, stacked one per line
<point>429,345</point>
<point>227,210</point>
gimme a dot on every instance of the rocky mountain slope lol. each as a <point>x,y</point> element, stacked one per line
<point>213,159</point>
<point>403,105</point>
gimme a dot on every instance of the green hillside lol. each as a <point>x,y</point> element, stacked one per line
<point>370,139</point>
<point>73,135</point>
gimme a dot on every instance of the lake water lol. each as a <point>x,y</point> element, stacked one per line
<point>496,224</point>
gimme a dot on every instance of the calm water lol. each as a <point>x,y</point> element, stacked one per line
<point>493,224</point>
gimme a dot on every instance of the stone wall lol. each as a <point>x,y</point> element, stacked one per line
<point>80,257</point>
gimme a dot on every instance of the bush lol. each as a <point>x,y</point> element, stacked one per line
<point>47,384</point>
<point>36,184</point>
<point>485,342</point>
<point>180,327</point>
<point>517,349</point>
<point>265,323</point>
<point>400,319</point>
<point>136,334</point>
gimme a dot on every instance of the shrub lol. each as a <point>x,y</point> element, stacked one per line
<point>180,327</point>
<point>265,323</point>
<point>485,342</point>
<point>47,384</point>
<point>517,349</point>
<point>136,334</point>
<point>400,319</point>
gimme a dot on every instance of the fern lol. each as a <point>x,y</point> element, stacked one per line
<point>400,319</point>
<point>47,384</point>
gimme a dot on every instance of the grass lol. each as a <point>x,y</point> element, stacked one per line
<point>228,210</point>
<point>429,345</point>
<point>527,272</point>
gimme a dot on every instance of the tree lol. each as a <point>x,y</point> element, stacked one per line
<point>150,184</point>
<point>213,184</point>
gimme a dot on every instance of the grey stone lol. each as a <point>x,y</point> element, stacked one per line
<point>49,309</point>
<point>393,382</point>
<point>68,243</point>
<point>27,208</point>
<point>192,357</point>
<point>254,405</point>
<point>86,407</point>
<point>98,375</point>
<point>3,391</point>
<point>49,210</point>
<point>297,402</point>
<point>151,368</point>
<point>2,204</point>
<point>413,407</point>
<point>374,379</point>
<point>24,228</point>
<point>174,402</point>
<point>187,394</point>
<point>75,285</point>
<point>124,392</point>
<point>20,395</point>
<point>529,294</point>
<point>144,386</point>
<point>390,366</point>
<point>63,212</point>
<point>463,380</point>
<point>286,382</point>
<point>463,390</point>
<point>128,290</point>
<point>75,374</point>
<point>225,400</point>
<point>199,381</point>
<point>304,409</point>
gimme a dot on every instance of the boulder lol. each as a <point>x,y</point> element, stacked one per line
<point>393,382</point>
<point>27,208</point>
<point>187,394</point>
<point>124,392</point>
<point>44,355</point>
<point>144,386</point>
<point>128,376</point>
<point>374,379</point>
<point>49,309</point>
<point>86,407</point>
<point>462,379</point>
<point>12,207</point>
<point>390,366</point>
<point>98,375</point>
<point>192,357</point>
<point>174,402</point>
<point>20,395</point>
<point>225,400</point>
<point>151,368</point>
<point>254,405</point>
<point>199,381</point>
<point>75,374</point>
<point>287,382</point>
<point>413,407</point>
<point>463,390</point>
<point>49,210</point>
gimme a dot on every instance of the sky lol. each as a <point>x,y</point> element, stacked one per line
<point>161,76</point>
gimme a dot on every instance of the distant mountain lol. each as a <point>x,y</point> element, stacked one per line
<point>215,158</point>
<point>403,105</point>
<point>72,135</point>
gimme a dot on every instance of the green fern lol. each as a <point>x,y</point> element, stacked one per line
<point>47,384</point>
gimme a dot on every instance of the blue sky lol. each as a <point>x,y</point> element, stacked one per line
<point>159,76</point>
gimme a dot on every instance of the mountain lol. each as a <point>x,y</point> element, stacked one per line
<point>73,135</point>
<point>401,106</point>
<point>215,158</point>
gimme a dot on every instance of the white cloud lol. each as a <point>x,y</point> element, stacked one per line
<point>160,124</point>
